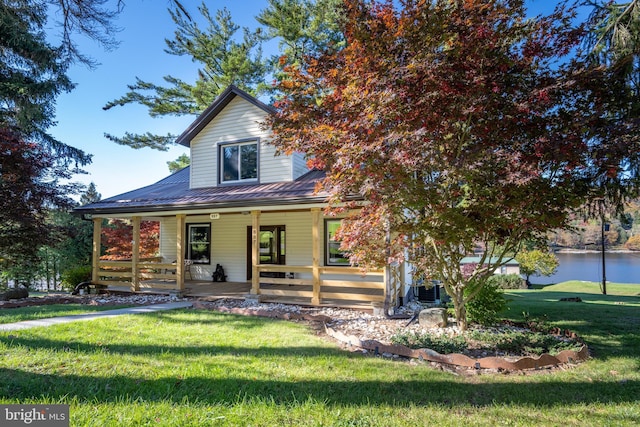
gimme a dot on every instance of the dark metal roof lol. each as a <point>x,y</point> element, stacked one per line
<point>173,193</point>
<point>214,109</point>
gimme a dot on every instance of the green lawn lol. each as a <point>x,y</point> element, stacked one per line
<point>11,315</point>
<point>196,368</point>
<point>609,323</point>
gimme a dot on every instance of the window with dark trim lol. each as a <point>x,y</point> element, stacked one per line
<point>333,254</point>
<point>239,162</point>
<point>199,243</point>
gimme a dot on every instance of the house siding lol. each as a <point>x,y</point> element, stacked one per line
<point>508,269</point>
<point>229,241</point>
<point>239,121</point>
<point>299,165</point>
<point>168,239</point>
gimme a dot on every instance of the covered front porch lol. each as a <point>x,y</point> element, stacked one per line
<point>237,246</point>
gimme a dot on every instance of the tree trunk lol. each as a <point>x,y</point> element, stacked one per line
<point>460,309</point>
<point>55,274</point>
<point>48,270</point>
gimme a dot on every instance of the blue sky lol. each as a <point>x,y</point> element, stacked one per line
<point>82,122</point>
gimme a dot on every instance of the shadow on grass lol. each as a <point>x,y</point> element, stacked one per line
<point>237,378</point>
<point>169,349</point>
<point>182,317</point>
<point>204,323</point>
<point>422,387</point>
<point>10,315</point>
<point>228,391</point>
<point>608,323</point>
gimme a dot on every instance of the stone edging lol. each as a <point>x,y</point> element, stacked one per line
<point>498,363</point>
<point>456,359</point>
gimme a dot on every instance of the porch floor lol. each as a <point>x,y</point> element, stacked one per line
<point>236,290</point>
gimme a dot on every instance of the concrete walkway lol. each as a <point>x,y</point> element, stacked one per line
<point>97,315</point>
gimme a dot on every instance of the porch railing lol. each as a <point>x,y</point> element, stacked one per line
<point>119,273</point>
<point>332,285</point>
<point>335,285</point>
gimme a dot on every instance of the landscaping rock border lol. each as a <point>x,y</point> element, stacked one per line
<point>456,359</point>
<point>94,300</point>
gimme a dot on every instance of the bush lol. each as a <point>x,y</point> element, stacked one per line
<point>485,306</point>
<point>440,344</point>
<point>74,276</point>
<point>507,281</point>
<point>523,342</point>
<point>633,244</point>
<point>511,342</point>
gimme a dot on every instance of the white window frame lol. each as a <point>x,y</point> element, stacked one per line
<point>221,161</point>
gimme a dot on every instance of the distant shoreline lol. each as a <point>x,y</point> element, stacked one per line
<point>594,251</point>
<point>587,265</point>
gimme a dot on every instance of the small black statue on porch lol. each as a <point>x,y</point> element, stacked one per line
<point>218,275</point>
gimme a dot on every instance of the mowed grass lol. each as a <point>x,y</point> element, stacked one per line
<point>199,368</point>
<point>610,324</point>
<point>12,315</point>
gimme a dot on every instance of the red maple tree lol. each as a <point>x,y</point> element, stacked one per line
<point>117,238</point>
<point>29,188</point>
<point>458,122</point>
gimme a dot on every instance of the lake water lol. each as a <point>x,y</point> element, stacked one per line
<point>619,268</point>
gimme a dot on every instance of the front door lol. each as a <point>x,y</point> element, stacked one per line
<point>272,248</point>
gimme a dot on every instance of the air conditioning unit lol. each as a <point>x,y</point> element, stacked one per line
<point>431,294</point>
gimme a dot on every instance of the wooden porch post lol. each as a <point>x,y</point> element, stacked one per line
<point>255,252</point>
<point>135,255</point>
<point>181,223</point>
<point>315,250</point>
<point>387,283</point>
<point>95,256</point>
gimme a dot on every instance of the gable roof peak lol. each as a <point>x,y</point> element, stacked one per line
<point>215,108</point>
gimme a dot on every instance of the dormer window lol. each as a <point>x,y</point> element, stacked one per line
<point>239,162</point>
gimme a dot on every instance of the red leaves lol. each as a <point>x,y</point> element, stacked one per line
<point>454,112</point>
<point>118,235</point>
<point>542,96</point>
<point>28,191</point>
